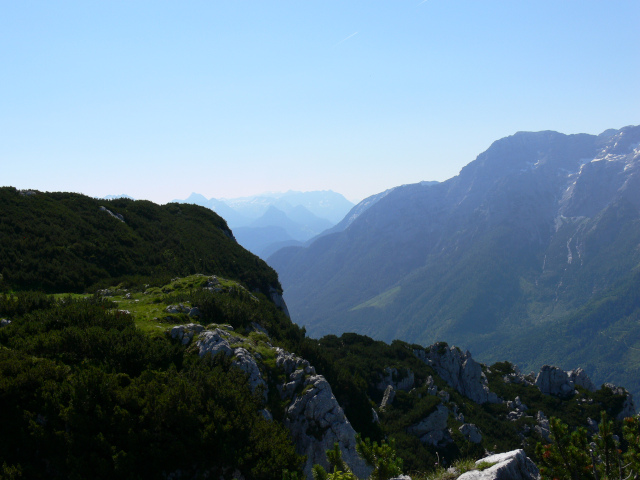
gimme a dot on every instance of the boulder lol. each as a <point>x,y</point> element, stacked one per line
<point>214,342</point>
<point>459,370</point>
<point>542,428</point>
<point>432,429</point>
<point>432,388</point>
<point>471,432</point>
<point>514,465</point>
<point>554,381</point>
<point>186,332</point>
<point>177,308</point>
<point>4,322</point>
<point>316,421</point>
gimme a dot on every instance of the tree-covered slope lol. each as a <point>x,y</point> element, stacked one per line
<point>61,242</point>
<point>538,226</point>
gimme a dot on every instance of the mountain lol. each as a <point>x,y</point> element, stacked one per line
<point>122,195</point>
<point>66,242</point>
<point>151,373</point>
<point>538,227</point>
<point>240,212</point>
<point>265,223</point>
<point>276,228</point>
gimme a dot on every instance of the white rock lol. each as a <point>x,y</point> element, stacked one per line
<point>314,417</point>
<point>459,370</point>
<point>471,432</point>
<point>554,381</point>
<point>247,363</point>
<point>514,465</point>
<point>432,429</point>
<point>389,395</point>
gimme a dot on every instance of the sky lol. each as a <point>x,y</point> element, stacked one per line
<point>159,99</point>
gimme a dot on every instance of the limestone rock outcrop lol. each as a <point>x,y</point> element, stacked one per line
<point>471,432</point>
<point>459,370</point>
<point>314,416</point>
<point>514,465</point>
<point>389,395</point>
<point>628,407</point>
<point>542,428</point>
<point>432,429</point>
<point>399,380</point>
<point>516,409</point>
<point>580,379</point>
<point>247,363</point>
<point>276,297</point>
<point>185,333</point>
<point>554,381</point>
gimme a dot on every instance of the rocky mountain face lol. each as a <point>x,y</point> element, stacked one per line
<point>313,416</point>
<point>538,227</point>
<point>316,420</point>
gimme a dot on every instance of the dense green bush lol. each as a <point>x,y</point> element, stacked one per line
<point>572,455</point>
<point>87,395</point>
<point>63,242</point>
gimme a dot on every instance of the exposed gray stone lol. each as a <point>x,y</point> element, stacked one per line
<point>554,381</point>
<point>580,378</point>
<point>114,215</point>
<point>186,332</point>
<point>628,407</point>
<point>316,421</point>
<point>259,328</point>
<point>389,395</point>
<point>459,370</point>
<point>432,429</point>
<point>277,299</point>
<point>542,428</point>
<point>399,380</point>
<point>517,409</point>
<point>471,432</point>
<point>4,322</point>
<point>432,388</point>
<point>514,465</point>
<point>374,415</point>
<point>214,342</point>
<point>180,308</point>
<point>194,312</point>
<point>247,363</point>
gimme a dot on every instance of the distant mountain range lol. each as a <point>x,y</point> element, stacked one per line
<point>264,223</point>
<point>532,252</point>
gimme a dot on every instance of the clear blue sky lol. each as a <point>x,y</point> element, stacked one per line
<point>159,99</point>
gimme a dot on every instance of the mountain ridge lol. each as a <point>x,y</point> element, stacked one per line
<point>506,245</point>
